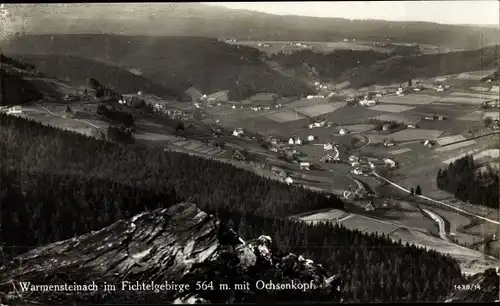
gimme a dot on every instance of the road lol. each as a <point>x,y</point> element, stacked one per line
<point>440,222</point>
<point>437,202</point>
<point>56,115</point>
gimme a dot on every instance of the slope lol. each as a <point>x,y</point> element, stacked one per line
<point>175,62</point>
<point>207,20</point>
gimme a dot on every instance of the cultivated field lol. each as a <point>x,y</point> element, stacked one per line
<point>391,108</point>
<point>449,139</point>
<point>493,153</point>
<point>492,115</point>
<point>473,95</point>
<point>400,151</point>
<point>359,128</point>
<point>155,137</point>
<point>456,146</point>
<point>285,116</point>
<point>414,99</point>
<point>368,225</point>
<point>473,116</point>
<point>307,102</point>
<point>406,119</point>
<point>321,216</point>
<point>415,134</point>
<point>481,89</point>
<point>463,100</point>
<point>318,110</point>
<point>495,89</point>
<point>450,160</point>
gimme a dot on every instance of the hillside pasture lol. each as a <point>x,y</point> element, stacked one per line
<point>406,119</point>
<point>307,102</point>
<point>318,110</point>
<point>442,141</point>
<point>359,128</point>
<point>391,108</point>
<point>452,159</point>
<point>456,146</point>
<point>415,134</point>
<point>285,116</point>
<point>351,115</point>
<point>495,89</point>
<point>413,99</point>
<point>325,215</point>
<point>492,115</point>
<point>493,153</point>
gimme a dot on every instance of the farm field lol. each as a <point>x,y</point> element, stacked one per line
<point>492,115</point>
<point>463,100</point>
<point>409,216</point>
<point>415,134</point>
<point>321,216</point>
<point>359,128</point>
<point>494,153</point>
<point>452,159</point>
<point>318,110</point>
<point>495,89</point>
<point>350,115</point>
<point>400,151</point>
<point>473,116</point>
<point>473,95</point>
<point>456,146</point>
<point>285,115</point>
<point>307,102</point>
<point>442,141</point>
<point>413,99</point>
<point>480,89</point>
<point>368,225</point>
<point>406,119</point>
<point>391,108</point>
<point>456,221</point>
<point>155,137</point>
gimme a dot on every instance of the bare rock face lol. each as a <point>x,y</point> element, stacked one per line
<point>175,255</point>
<point>483,287</point>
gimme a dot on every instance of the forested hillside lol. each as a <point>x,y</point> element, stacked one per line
<point>176,63</point>
<point>57,184</point>
<point>463,179</point>
<point>364,68</point>
<point>14,89</point>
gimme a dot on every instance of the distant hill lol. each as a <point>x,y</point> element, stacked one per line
<point>363,68</point>
<point>14,89</point>
<point>174,62</point>
<point>193,19</point>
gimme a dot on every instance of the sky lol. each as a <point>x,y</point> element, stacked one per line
<point>449,12</point>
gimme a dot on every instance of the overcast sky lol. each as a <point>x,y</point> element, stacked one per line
<point>451,12</point>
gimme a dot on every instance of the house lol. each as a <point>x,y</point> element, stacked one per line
<point>388,144</point>
<point>428,118</point>
<point>390,163</point>
<point>410,126</point>
<point>192,94</point>
<point>274,149</point>
<point>327,147</point>
<point>386,127</point>
<point>298,141</point>
<point>428,144</point>
<point>289,180</point>
<point>342,131</point>
<point>305,165</point>
<point>311,126</point>
<point>291,141</point>
<point>357,171</point>
<point>234,107</point>
<point>353,158</point>
<point>310,138</point>
<point>15,110</point>
<point>399,92</point>
<point>237,132</point>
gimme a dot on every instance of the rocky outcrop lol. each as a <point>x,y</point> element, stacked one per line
<point>483,287</point>
<point>175,255</point>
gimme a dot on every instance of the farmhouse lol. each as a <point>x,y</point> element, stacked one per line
<point>342,131</point>
<point>289,180</point>
<point>327,147</point>
<point>238,132</point>
<point>192,94</point>
<point>291,141</point>
<point>390,163</point>
<point>386,127</point>
<point>310,138</point>
<point>305,165</point>
<point>15,110</point>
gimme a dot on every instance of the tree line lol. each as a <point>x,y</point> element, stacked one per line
<point>463,178</point>
<point>57,184</point>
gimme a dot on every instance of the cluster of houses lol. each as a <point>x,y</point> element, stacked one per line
<point>171,113</point>
<point>263,45</point>
<point>238,132</point>
<point>317,124</point>
<point>367,102</point>
<point>491,104</point>
<point>15,110</point>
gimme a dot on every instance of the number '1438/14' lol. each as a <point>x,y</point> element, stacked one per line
<point>468,287</point>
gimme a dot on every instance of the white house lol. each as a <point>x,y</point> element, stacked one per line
<point>386,127</point>
<point>399,92</point>
<point>289,180</point>
<point>389,162</point>
<point>298,141</point>
<point>310,138</point>
<point>342,131</point>
<point>311,126</point>
<point>416,89</point>
<point>238,132</point>
<point>290,141</point>
<point>273,149</point>
<point>139,93</point>
<point>305,165</point>
<point>357,171</point>
<point>428,144</point>
<point>353,158</point>
<point>327,147</point>
<point>234,107</point>
<point>411,126</point>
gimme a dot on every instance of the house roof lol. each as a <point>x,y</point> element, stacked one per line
<point>193,93</point>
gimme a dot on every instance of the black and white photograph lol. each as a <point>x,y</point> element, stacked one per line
<point>249,152</point>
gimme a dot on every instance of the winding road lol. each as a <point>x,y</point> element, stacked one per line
<point>440,222</point>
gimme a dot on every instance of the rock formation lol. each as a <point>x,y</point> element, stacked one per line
<point>175,255</point>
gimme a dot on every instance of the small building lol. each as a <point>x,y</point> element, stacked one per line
<point>353,158</point>
<point>428,144</point>
<point>289,180</point>
<point>305,165</point>
<point>298,141</point>
<point>234,107</point>
<point>390,163</point>
<point>410,126</point>
<point>386,127</point>
<point>311,126</point>
<point>291,141</point>
<point>15,110</point>
<point>357,171</point>
<point>429,118</point>
<point>310,138</point>
<point>237,132</point>
<point>327,147</point>
<point>342,131</point>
